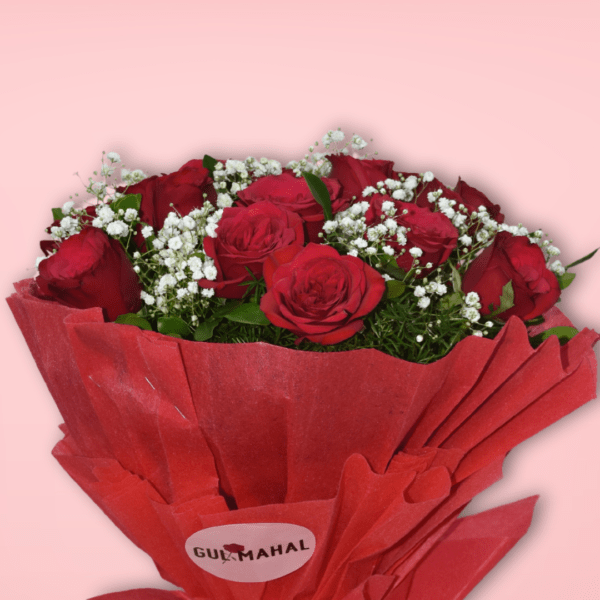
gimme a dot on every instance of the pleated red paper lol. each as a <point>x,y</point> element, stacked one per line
<point>375,455</point>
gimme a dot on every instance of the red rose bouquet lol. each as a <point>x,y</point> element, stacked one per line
<point>289,382</point>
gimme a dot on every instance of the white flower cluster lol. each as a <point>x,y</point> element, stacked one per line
<point>176,261</point>
<point>237,175</point>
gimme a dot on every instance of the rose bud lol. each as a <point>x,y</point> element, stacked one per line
<point>318,294</point>
<point>245,237</point>
<point>515,259</point>
<point>355,175</point>
<point>292,193</point>
<point>184,189</point>
<point>90,269</point>
<point>431,232</point>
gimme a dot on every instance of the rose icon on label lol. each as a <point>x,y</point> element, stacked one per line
<point>232,549</point>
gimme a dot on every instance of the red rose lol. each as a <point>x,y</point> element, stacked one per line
<point>355,174</point>
<point>292,193</point>
<point>90,269</point>
<point>184,189</point>
<point>516,259</point>
<point>432,232</point>
<point>245,237</point>
<point>464,194</point>
<point>318,294</point>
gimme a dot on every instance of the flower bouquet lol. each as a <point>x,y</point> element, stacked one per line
<point>289,382</point>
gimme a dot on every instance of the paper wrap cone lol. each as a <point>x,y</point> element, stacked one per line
<point>374,455</point>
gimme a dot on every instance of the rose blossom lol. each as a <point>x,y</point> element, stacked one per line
<point>431,232</point>
<point>355,175</point>
<point>184,189</point>
<point>292,193</point>
<point>90,269</point>
<point>245,237</point>
<point>516,259</point>
<point>318,294</point>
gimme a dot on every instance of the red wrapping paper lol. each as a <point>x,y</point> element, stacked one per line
<point>167,436</point>
<point>458,561</point>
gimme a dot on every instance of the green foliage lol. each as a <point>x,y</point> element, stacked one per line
<point>208,162</point>
<point>173,326</point>
<point>565,280</point>
<point>582,260</point>
<point>320,193</point>
<point>564,334</point>
<point>134,319</point>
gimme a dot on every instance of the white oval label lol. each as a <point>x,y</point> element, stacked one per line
<point>251,552</point>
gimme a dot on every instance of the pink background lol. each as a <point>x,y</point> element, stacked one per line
<point>507,98</point>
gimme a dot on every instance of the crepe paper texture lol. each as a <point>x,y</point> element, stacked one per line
<point>375,456</point>
<point>449,571</point>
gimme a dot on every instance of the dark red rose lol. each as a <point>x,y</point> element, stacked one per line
<point>472,198</point>
<point>90,269</point>
<point>432,232</point>
<point>245,237</point>
<point>292,193</point>
<point>233,548</point>
<point>184,189</point>
<point>355,174</point>
<point>318,294</point>
<point>516,259</point>
<point>464,194</point>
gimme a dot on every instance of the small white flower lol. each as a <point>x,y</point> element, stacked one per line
<point>147,231</point>
<point>175,243</point>
<point>551,250</point>
<point>113,157</point>
<point>158,244</point>
<point>358,143</point>
<point>208,293</point>
<point>423,302</point>
<point>210,272</point>
<point>419,338</point>
<point>387,206</point>
<point>478,333</point>
<point>368,191</point>
<point>556,267</point>
<point>353,253</point>
<point>131,214</point>
<point>148,299</point>
<point>67,206</point>
<point>465,240</point>
<point>117,229</point>
<point>472,299</point>
<point>427,176</point>
<point>388,250</point>
<point>416,252</point>
<point>411,182</point>
<point>420,291</point>
<point>399,194</point>
<point>471,313</point>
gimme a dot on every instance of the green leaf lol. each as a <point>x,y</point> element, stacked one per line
<point>57,214</point>
<point>565,280</point>
<point>456,279</point>
<point>507,300</point>
<point>173,326</point>
<point>133,319</point>
<point>563,333</point>
<point>535,321</point>
<point>204,331</point>
<point>451,300</point>
<point>320,193</point>
<point>394,288</point>
<point>220,312</point>
<point>129,201</point>
<point>208,162</point>
<point>581,260</point>
<point>248,313</point>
